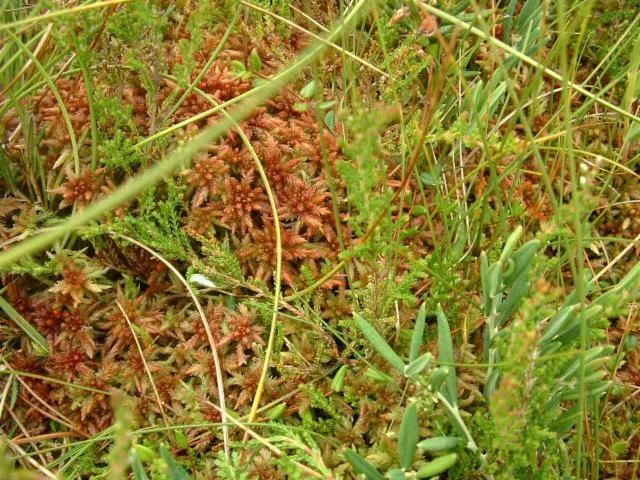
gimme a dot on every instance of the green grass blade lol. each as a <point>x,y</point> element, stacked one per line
<point>38,342</point>
<point>59,13</point>
<point>528,60</point>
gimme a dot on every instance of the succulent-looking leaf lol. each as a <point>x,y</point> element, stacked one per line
<point>437,466</point>
<point>619,447</point>
<point>418,365</point>
<point>379,343</point>
<point>327,105</point>
<point>523,259</point>
<point>409,436</point>
<point>438,377</point>
<point>395,474</point>
<point>418,333</point>
<point>439,444</point>
<point>445,344</point>
<point>362,466</point>
<point>510,244</point>
<point>201,280</point>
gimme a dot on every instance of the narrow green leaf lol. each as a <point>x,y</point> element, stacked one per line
<point>276,412</point>
<point>628,284</point>
<point>409,436</point>
<point>510,304</point>
<point>523,259</point>
<point>338,380</point>
<point>557,322</point>
<point>594,390</point>
<point>484,277</point>
<point>590,355</point>
<point>137,468</point>
<point>327,105</point>
<point>254,61</point>
<point>362,466</point>
<point>492,383</point>
<point>550,348</point>
<point>145,454</point>
<point>175,470</point>
<point>595,377</point>
<point>510,244</point>
<point>438,377</point>
<point>380,345</point>
<point>567,420</point>
<point>437,466</point>
<point>38,342</point>
<point>445,344</point>
<point>439,444</point>
<point>418,333</point>
<point>571,329</point>
<point>15,390</point>
<point>377,376</point>
<point>418,365</point>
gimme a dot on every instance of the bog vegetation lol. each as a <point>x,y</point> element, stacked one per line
<point>313,239</point>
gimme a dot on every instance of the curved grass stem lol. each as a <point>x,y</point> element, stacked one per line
<point>207,329</point>
<point>56,94</point>
<point>165,167</point>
